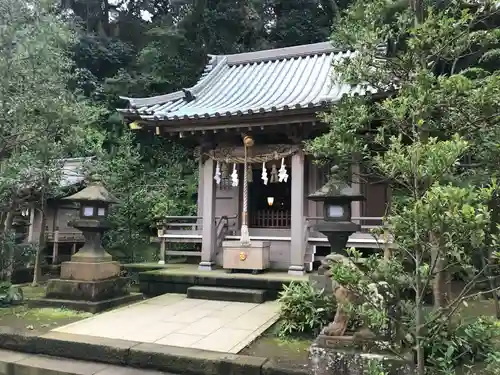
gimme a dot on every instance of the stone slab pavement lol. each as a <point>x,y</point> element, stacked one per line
<point>174,320</point>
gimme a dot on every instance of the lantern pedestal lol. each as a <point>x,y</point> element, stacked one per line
<point>89,271</point>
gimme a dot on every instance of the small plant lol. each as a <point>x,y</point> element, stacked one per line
<point>10,294</point>
<point>304,309</point>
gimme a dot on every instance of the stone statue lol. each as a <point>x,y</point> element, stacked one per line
<point>343,296</point>
<point>346,297</point>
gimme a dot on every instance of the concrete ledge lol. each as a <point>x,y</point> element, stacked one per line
<point>14,363</point>
<point>275,367</point>
<point>184,361</point>
<point>227,294</point>
<point>80,347</point>
<point>87,306</point>
<point>193,361</point>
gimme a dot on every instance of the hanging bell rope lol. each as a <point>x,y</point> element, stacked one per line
<point>249,173</point>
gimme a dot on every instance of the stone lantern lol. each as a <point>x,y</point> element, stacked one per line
<point>337,225</point>
<point>94,202</point>
<point>91,280</point>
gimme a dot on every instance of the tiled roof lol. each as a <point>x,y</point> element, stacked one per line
<point>73,171</point>
<point>255,82</point>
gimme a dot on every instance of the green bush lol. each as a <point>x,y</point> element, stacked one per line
<point>304,309</point>
<point>462,344</point>
<point>10,294</point>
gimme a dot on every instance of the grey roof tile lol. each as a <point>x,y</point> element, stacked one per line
<point>263,81</point>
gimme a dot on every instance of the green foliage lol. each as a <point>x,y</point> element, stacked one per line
<point>462,344</point>
<point>304,309</point>
<point>10,294</point>
<point>434,137</point>
<point>150,185</point>
<point>42,120</point>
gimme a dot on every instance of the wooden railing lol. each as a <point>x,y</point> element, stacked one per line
<point>193,223</point>
<point>61,236</point>
<point>182,223</point>
<point>221,230</point>
<point>271,219</point>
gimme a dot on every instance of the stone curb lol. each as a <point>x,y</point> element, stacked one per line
<point>184,361</point>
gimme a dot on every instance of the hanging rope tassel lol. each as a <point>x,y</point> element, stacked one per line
<point>283,175</point>
<point>234,176</point>
<point>274,174</point>
<point>217,174</point>
<point>225,171</point>
<point>264,177</point>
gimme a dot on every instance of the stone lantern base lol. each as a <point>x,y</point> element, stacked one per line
<point>352,356</point>
<point>88,286</point>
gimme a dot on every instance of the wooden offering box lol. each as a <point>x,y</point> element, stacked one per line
<point>254,257</point>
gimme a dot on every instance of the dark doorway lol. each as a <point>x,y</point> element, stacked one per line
<point>262,214</point>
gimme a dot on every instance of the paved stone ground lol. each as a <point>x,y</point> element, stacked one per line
<point>173,319</point>
<point>13,363</point>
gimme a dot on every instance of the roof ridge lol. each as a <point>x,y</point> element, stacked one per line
<point>281,53</point>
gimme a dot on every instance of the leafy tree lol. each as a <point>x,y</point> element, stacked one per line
<point>41,120</point>
<point>294,22</point>
<point>440,107</point>
<point>149,184</point>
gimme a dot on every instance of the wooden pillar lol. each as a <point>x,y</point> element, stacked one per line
<point>207,246</point>
<point>297,247</point>
<point>313,183</point>
<point>163,249</point>
<point>31,228</point>
<point>356,189</point>
<point>55,246</point>
<point>200,188</point>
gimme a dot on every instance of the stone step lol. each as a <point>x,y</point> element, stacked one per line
<point>227,294</point>
<point>17,363</point>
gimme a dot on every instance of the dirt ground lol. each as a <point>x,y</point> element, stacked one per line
<point>38,320</point>
<point>294,351</point>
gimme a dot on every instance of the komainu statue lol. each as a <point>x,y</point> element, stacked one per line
<point>343,296</point>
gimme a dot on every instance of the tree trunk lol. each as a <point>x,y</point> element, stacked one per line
<point>3,218</point>
<point>9,267</point>
<point>440,277</point>
<point>37,272</point>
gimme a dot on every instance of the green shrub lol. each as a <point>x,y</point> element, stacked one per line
<point>10,294</point>
<point>304,309</point>
<point>462,344</point>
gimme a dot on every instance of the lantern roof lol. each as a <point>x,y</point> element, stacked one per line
<point>335,190</point>
<point>94,192</point>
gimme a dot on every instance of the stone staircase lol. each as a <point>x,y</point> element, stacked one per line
<point>217,293</point>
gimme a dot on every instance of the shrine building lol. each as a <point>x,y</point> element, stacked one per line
<point>270,99</point>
